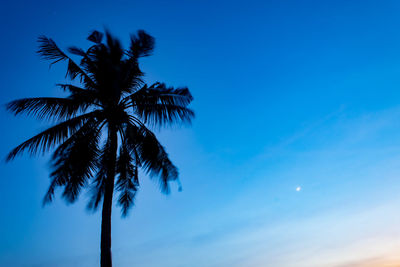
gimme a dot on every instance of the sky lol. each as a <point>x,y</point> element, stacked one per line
<point>293,159</point>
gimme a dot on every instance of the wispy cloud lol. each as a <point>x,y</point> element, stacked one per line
<point>373,262</point>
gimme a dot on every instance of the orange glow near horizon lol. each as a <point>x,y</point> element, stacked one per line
<point>380,262</point>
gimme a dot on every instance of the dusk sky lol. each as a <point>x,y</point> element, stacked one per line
<point>293,159</point>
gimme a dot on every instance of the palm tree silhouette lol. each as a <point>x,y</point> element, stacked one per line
<point>102,136</point>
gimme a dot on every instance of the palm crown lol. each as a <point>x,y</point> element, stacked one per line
<point>101,133</point>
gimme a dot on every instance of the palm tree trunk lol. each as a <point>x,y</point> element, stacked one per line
<point>105,247</point>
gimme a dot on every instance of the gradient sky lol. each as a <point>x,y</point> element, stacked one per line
<point>287,94</point>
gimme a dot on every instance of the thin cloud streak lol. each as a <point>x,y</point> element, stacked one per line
<point>373,262</point>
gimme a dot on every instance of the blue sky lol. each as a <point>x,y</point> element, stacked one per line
<point>287,94</point>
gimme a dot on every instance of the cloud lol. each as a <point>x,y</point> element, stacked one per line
<point>372,262</point>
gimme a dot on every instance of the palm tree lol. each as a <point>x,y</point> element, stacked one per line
<point>101,134</point>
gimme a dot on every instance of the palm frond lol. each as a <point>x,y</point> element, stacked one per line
<point>99,183</point>
<point>131,79</point>
<point>52,136</point>
<point>50,51</point>
<point>89,63</point>
<point>74,90</point>
<point>75,161</point>
<point>164,114</point>
<point>79,94</point>
<point>159,93</point>
<point>127,181</point>
<point>115,51</point>
<point>61,180</point>
<point>142,45</point>
<point>127,197</point>
<point>97,190</point>
<point>48,107</point>
<point>160,105</point>
<point>76,51</point>
<point>73,70</point>
<point>49,196</point>
<point>152,155</point>
<point>95,37</point>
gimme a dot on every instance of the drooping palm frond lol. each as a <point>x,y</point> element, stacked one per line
<point>48,107</point>
<point>52,136</point>
<point>74,161</point>
<point>98,185</point>
<point>77,161</point>
<point>126,197</point>
<point>48,197</point>
<point>152,155</point>
<point>127,181</point>
<point>97,189</point>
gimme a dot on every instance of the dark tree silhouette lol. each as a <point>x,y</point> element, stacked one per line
<point>102,136</point>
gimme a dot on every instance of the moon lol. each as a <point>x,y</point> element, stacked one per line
<point>298,189</point>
